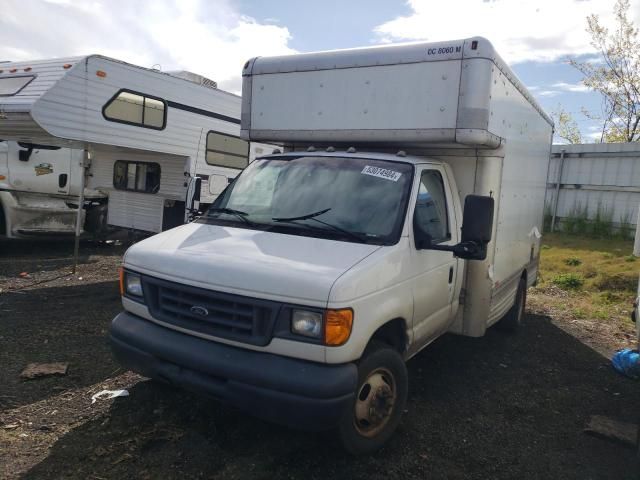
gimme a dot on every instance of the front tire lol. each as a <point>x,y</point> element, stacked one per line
<point>380,399</point>
<point>512,321</point>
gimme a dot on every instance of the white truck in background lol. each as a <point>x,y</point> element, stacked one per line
<point>39,188</point>
<point>408,203</point>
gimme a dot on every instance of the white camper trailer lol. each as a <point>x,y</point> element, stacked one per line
<point>147,135</point>
<point>320,271</point>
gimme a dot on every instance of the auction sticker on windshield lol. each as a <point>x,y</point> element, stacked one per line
<point>381,173</point>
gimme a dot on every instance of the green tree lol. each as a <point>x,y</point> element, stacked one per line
<point>566,127</point>
<point>617,76</point>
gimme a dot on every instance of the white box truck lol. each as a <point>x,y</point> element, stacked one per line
<point>319,272</point>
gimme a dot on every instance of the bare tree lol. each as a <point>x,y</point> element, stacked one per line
<point>617,77</point>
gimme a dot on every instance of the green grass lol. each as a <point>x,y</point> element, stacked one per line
<point>573,261</point>
<point>601,224</point>
<point>569,281</point>
<point>598,275</point>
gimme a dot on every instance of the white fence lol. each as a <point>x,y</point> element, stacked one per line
<point>594,178</point>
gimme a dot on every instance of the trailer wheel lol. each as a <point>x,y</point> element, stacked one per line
<point>380,398</point>
<point>513,319</point>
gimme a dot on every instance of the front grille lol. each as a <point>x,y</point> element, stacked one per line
<point>218,314</point>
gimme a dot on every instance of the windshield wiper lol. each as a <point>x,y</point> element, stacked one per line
<point>230,211</point>
<point>301,217</point>
<point>312,216</point>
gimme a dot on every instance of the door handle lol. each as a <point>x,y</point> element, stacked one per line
<point>450,274</point>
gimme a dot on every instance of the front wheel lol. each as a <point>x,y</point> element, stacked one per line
<point>380,399</point>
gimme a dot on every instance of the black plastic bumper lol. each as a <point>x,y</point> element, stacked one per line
<point>284,390</point>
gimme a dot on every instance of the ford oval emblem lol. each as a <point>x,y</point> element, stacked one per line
<point>200,311</point>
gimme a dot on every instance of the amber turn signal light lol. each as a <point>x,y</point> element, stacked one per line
<point>121,274</point>
<point>337,326</point>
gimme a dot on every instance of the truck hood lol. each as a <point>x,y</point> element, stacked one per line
<point>256,263</point>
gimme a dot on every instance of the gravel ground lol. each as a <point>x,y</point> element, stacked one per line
<point>501,407</point>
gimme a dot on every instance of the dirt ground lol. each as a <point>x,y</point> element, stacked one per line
<point>501,407</point>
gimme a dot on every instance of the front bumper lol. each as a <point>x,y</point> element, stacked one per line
<point>38,215</point>
<point>280,389</point>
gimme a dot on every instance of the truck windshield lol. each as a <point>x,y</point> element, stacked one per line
<point>350,199</point>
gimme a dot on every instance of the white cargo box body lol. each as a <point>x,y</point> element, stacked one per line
<point>445,92</point>
<point>456,102</point>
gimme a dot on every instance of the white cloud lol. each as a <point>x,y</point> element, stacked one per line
<point>521,30</point>
<point>571,87</point>
<point>211,38</point>
<point>593,136</point>
<point>548,93</point>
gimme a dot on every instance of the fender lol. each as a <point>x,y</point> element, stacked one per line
<point>377,295</point>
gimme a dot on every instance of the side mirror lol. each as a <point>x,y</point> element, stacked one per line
<point>192,205</point>
<point>477,226</point>
<point>477,219</point>
<point>24,155</point>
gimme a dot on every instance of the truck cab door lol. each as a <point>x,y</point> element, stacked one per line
<point>39,168</point>
<point>434,281</point>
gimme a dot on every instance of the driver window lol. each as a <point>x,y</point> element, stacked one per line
<point>431,207</point>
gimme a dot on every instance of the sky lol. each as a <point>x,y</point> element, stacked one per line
<point>215,37</point>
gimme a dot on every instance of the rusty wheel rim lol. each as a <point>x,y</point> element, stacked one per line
<point>375,402</point>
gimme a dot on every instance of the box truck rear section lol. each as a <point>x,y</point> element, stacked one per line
<point>514,174</point>
<point>408,203</point>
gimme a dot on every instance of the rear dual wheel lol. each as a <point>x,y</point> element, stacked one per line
<point>380,398</point>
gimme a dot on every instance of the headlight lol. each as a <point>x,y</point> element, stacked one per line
<point>307,323</point>
<point>132,284</point>
<point>338,326</point>
<point>331,326</point>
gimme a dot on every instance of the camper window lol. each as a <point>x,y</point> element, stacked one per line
<point>227,151</point>
<point>136,109</point>
<point>136,176</point>
<point>12,85</point>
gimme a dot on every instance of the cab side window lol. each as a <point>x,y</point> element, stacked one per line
<point>431,211</point>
